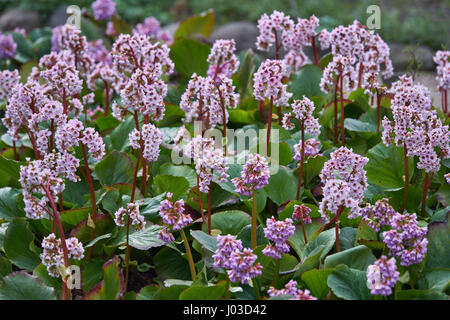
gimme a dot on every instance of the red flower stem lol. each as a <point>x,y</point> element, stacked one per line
<point>405,193</point>
<point>200,199</point>
<point>52,129</point>
<point>378,111</point>
<point>336,226</point>
<point>304,232</point>
<point>269,126</point>
<point>209,207</point>
<point>254,221</point>
<point>342,110</point>
<point>336,88</point>
<point>426,185</point>
<point>65,290</point>
<point>302,160</point>
<point>189,254</point>
<point>15,151</point>
<point>277,46</point>
<point>106,98</point>
<point>261,110</point>
<point>92,195</point>
<point>313,42</point>
<point>360,74</point>
<point>133,192</point>
<point>37,155</point>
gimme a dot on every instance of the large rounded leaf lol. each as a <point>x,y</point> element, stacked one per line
<point>229,222</point>
<point>386,166</point>
<point>22,286</point>
<point>116,167</point>
<point>349,284</point>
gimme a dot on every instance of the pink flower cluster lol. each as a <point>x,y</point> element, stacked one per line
<point>302,110</point>
<point>172,214</point>
<point>222,60</point>
<point>268,82</point>
<point>151,27</point>
<point>378,215</point>
<point>382,276</point>
<point>291,289</point>
<point>53,257</point>
<point>416,126</point>
<point>130,215</point>
<point>239,262</point>
<point>406,240</point>
<point>358,55</point>
<point>270,26</point>
<point>345,182</point>
<point>8,80</point>
<point>278,232</point>
<point>149,138</point>
<point>103,9</point>
<point>301,213</point>
<point>8,46</point>
<point>139,64</point>
<point>207,158</point>
<point>312,149</point>
<point>442,59</point>
<point>255,175</point>
<point>203,99</point>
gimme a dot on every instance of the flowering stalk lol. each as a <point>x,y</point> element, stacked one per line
<point>88,177</point>
<point>106,98</point>
<point>336,226</point>
<point>133,192</point>
<point>336,88</point>
<point>405,193</point>
<point>254,222</point>
<point>209,207</point>
<point>269,126</point>
<point>378,111</point>
<point>302,159</point>
<point>313,42</point>
<point>189,253</point>
<point>65,290</point>
<point>304,232</point>
<point>342,110</point>
<point>200,198</point>
<point>426,185</point>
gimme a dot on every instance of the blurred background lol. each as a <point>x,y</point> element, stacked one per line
<point>424,22</point>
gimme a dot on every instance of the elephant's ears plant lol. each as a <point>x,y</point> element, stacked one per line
<point>140,165</point>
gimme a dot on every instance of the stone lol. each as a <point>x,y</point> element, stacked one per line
<point>244,34</point>
<point>15,17</point>
<point>58,17</point>
<point>401,56</point>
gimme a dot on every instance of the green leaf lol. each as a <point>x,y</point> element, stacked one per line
<point>146,239</point>
<point>358,258</point>
<point>179,186</point>
<point>325,238</point>
<point>347,238</point>
<point>349,284</point>
<point>306,82</point>
<point>151,206</point>
<point>147,292</point>
<point>208,242</point>
<point>120,25</point>
<point>169,264</point>
<point>75,216</point>
<point>112,287</point>
<point>56,283</point>
<point>282,186</point>
<point>245,235</point>
<point>245,73</point>
<point>22,286</point>
<point>92,273</point>
<point>297,241</point>
<point>5,266</point>
<point>438,255</point>
<point>170,293</point>
<point>19,245</point>
<point>316,281</point>
<point>11,167</point>
<point>421,295</point>
<point>199,24</point>
<point>9,208</point>
<point>386,166</point>
<point>204,293</point>
<point>310,262</point>
<point>229,222</point>
<point>312,168</point>
<point>359,126</point>
<point>189,56</point>
<point>180,171</point>
<point>119,136</point>
<point>241,117</point>
<point>116,167</point>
